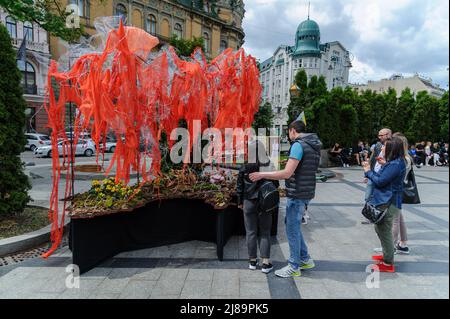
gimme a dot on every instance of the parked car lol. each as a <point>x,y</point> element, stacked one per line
<point>84,147</point>
<point>110,145</point>
<point>82,135</point>
<point>35,140</point>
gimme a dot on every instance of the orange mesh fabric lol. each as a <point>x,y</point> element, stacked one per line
<point>137,94</point>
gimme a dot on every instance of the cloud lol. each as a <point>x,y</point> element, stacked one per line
<point>384,36</point>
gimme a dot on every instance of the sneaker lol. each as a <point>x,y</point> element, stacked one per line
<point>378,250</point>
<point>266,268</point>
<point>252,264</point>
<point>377,257</point>
<point>304,220</point>
<point>287,272</point>
<point>401,250</point>
<point>307,265</point>
<point>382,267</point>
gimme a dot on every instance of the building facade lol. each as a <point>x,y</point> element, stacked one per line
<point>331,60</point>
<point>398,82</point>
<point>34,72</point>
<point>219,22</point>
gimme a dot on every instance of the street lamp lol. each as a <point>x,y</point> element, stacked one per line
<point>294,91</point>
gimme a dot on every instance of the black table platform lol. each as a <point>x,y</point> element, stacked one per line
<point>159,223</point>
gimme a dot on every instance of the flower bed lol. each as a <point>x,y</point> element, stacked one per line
<point>107,196</point>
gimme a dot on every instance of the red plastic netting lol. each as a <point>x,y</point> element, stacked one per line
<point>137,93</point>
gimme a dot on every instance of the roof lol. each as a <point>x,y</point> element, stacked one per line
<point>265,64</point>
<point>308,26</point>
<point>307,39</point>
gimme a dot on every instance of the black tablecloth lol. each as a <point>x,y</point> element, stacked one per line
<point>93,240</point>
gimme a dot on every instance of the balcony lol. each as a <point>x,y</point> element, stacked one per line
<point>31,45</point>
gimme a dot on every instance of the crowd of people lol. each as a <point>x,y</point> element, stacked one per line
<point>387,167</point>
<point>422,153</point>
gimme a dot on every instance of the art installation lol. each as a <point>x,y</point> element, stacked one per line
<point>136,91</point>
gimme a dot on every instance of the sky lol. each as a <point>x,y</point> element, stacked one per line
<point>383,36</point>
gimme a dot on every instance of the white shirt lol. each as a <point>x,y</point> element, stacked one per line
<point>377,164</point>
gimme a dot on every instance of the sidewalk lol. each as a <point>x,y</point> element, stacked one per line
<point>339,243</point>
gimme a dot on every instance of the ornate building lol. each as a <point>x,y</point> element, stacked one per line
<point>331,60</point>
<point>219,22</point>
<point>34,72</point>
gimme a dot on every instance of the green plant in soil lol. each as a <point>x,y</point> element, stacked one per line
<point>32,218</point>
<point>108,195</point>
<point>175,183</point>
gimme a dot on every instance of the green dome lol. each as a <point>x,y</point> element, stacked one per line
<point>307,39</point>
<point>308,26</point>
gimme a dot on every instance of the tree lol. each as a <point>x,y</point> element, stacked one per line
<point>48,14</point>
<point>348,118</point>
<point>300,102</point>
<point>14,184</point>
<point>443,117</point>
<point>321,119</point>
<point>363,107</point>
<point>404,111</point>
<point>184,47</point>
<point>264,117</point>
<point>390,109</point>
<point>420,127</point>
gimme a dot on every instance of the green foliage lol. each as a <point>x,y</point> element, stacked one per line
<point>403,111</point>
<point>422,118</point>
<point>299,103</point>
<point>14,183</point>
<point>51,15</point>
<point>264,117</point>
<point>184,47</point>
<point>343,115</point>
<point>443,117</point>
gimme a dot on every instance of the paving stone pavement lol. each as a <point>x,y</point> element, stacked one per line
<point>339,243</point>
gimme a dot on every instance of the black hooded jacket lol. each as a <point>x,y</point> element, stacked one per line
<point>245,188</point>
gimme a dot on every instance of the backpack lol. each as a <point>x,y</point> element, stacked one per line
<point>268,197</point>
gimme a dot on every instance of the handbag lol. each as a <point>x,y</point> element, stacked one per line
<point>375,214</point>
<point>410,191</point>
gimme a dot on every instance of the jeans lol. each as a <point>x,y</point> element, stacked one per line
<point>257,229</point>
<point>297,246</point>
<point>384,232</point>
<point>399,228</point>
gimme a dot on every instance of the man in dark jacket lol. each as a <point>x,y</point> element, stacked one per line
<point>300,179</point>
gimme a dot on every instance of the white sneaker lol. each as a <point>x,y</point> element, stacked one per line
<point>287,272</point>
<point>308,265</point>
<point>378,250</point>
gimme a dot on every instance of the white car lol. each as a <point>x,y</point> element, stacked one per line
<point>110,145</point>
<point>84,147</point>
<point>35,140</point>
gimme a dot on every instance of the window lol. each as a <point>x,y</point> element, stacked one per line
<point>223,45</point>
<point>12,27</point>
<point>206,38</point>
<point>121,11</point>
<point>28,80</point>
<point>300,63</point>
<point>206,6</point>
<point>83,7</point>
<point>150,24</point>
<point>28,31</point>
<point>178,31</point>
